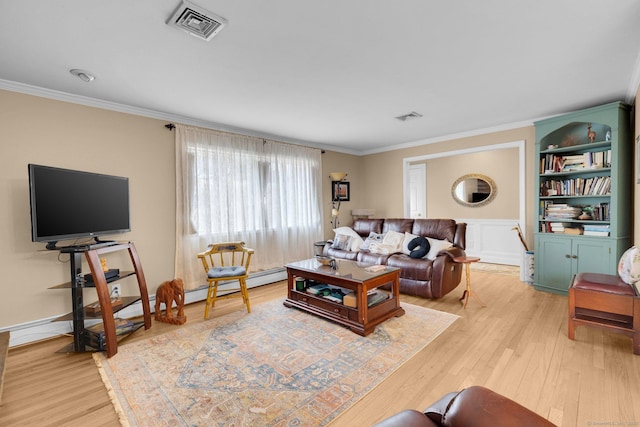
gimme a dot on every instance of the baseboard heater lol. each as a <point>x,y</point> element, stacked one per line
<point>42,329</point>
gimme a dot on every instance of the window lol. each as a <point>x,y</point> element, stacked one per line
<point>239,188</point>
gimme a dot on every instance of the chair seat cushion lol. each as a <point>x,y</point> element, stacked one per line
<point>602,283</point>
<point>230,271</point>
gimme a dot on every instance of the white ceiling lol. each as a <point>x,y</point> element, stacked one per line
<point>331,73</point>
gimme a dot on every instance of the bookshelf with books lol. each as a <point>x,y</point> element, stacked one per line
<point>583,204</point>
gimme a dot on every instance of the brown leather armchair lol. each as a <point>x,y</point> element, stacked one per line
<point>472,407</point>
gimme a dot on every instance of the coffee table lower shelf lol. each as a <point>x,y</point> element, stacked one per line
<point>346,316</point>
<point>361,319</point>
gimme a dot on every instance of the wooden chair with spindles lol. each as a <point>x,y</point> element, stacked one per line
<point>226,262</point>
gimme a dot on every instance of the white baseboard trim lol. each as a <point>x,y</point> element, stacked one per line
<point>42,329</point>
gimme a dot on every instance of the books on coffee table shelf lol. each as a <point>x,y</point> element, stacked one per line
<point>346,296</point>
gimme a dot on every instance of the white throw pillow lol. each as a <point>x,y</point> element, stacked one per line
<point>373,237</point>
<point>408,237</point>
<point>393,240</point>
<point>356,241</point>
<point>436,246</point>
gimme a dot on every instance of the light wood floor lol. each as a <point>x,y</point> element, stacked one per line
<point>517,346</point>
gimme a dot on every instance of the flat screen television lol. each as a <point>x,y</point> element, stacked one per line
<point>69,204</point>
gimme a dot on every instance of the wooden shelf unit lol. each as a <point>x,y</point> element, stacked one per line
<point>77,285</point>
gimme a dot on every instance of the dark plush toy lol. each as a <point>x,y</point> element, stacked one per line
<point>419,247</point>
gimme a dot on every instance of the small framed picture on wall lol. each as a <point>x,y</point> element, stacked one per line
<point>340,191</point>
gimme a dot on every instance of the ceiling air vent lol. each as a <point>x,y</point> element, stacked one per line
<point>196,21</point>
<point>412,115</point>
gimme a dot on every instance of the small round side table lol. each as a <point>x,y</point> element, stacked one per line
<point>468,293</point>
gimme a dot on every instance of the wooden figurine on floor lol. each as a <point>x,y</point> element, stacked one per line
<point>167,293</point>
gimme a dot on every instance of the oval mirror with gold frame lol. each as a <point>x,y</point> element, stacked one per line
<point>474,190</point>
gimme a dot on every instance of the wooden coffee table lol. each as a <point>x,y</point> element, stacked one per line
<point>353,276</point>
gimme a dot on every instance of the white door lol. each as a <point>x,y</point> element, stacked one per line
<point>417,175</point>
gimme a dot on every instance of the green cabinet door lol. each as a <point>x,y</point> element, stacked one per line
<point>559,258</point>
<point>553,264</point>
<point>593,256</point>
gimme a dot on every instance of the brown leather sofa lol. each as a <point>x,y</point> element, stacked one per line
<point>472,407</point>
<point>418,276</point>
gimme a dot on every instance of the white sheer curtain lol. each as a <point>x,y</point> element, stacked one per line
<point>238,188</point>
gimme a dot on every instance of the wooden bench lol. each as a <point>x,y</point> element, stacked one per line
<point>604,301</point>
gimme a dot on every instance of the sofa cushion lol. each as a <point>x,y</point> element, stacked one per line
<point>341,254</point>
<point>412,268</point>
<point>373,258</point>
<point>441,229</point>
<point>366,226</point>
<point>401,225</point>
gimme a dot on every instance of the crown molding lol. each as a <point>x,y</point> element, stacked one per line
<point>634,82</point>
<point>153,114</point>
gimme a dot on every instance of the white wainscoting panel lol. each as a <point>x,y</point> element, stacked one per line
<point>494,241</point>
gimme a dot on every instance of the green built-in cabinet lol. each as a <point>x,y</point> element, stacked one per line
<point>583,165</point>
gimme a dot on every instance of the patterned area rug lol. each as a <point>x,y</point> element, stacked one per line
<point>277,366</point>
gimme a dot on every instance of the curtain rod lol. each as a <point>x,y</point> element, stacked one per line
<point>171,127</point>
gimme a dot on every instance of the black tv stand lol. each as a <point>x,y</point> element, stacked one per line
<point>52,246</point>
<point>81,336</point>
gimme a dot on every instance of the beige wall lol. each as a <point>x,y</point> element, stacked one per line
<point>382,175</point>
<point>54,133</point>
<point>339,162</point>
<point>499,165</point>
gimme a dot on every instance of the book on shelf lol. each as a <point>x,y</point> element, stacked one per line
<point>597,227</point>
<point>337,294</point>
<point>602,230</point>
<point>595,186</point>
<point>376,297</point>
<point>596,233</point>
<point>554,163</point>
<point>562,211</point>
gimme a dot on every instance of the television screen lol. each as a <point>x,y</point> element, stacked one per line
<point>69,204</point>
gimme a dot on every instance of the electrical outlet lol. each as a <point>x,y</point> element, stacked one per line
<point>115,290</point>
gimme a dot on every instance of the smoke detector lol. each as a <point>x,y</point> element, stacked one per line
<point>412,115</point>
<point>196,21</point>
